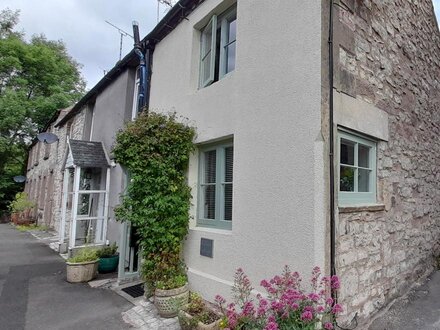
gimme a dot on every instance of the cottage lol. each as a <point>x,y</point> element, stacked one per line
<point>317,139</point>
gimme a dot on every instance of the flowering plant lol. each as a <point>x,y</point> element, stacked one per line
<point>286,304</point>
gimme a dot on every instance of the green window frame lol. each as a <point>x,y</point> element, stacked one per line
<point>215,188</point>
<point>356,169</point>
<point>218,47</point>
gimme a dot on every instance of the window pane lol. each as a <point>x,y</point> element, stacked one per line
<point>206,62</point>
<point>229,161</point>
<point>230,57</point>
<point>364,180</point>
<point>232,35</point>
<point>346,179</point>
<point>209,202</point>
<point>347,152</point>
<point>210,166</point>
<point>206,41</point>
<point>364,156</point>
<point>228,201</point>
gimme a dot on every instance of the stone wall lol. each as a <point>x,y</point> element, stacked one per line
<point>387,53</point>
<point>44,174</point>
<point>74,129</point>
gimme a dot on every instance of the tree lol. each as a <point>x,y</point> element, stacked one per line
<point>37,78</point>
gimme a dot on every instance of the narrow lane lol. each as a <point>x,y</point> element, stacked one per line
<point>34,293</point>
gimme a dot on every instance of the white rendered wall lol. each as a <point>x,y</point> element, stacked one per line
<point>112,110</point>
<point>271,105</point>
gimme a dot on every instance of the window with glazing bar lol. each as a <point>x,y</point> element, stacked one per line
<point>217,47</point>
<point>216,165</point>
<point>357,169</point>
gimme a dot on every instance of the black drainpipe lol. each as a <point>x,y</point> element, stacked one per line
<point>142,69</point>
<point>331,153</point>
<point>148,59</point>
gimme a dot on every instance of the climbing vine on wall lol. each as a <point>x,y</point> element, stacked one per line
<point>155,150</point>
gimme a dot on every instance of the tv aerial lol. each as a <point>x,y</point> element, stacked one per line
<point>19,178</point>
<point>123,34</point>
<point>47,138</point>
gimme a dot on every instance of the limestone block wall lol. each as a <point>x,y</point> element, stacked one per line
<point>387,53</point>
<point>44,183</point>
<point>73,129</point>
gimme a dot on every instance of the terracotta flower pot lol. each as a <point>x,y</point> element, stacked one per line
<point>169,302</point>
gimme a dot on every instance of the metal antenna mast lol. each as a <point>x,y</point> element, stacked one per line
<point>123,34</point>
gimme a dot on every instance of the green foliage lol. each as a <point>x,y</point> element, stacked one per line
<point>37,77</point>
<point>199,312</point>
<point>21,203</point>
<point>155,149</point>
<point>107,251</point>
<point>84,255</point>
<point>30,227</point>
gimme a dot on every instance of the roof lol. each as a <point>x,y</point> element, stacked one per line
<point>88,154</point>
<point>167,24</point>
<point>59,114</point>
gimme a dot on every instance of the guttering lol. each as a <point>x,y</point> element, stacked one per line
<point>331,150</point>
<point>103,83</point>
<point>167,24</point>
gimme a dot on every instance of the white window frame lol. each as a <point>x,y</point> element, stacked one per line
<point>137,80</point>
<point>218,221</point>
<point>347,198</point>
<point>214,23</point>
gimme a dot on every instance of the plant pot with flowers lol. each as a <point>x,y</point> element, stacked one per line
<point>82,267</point>
<point>108,259</point>
<point>198,315</point>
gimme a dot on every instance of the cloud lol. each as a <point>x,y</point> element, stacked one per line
<point>81,25</point>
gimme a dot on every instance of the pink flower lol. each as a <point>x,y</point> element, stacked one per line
<point>329,301</point>
<point>337,309</point>
<point>271,326</point>
<point>220,300</point>
<point>307,316</point>
<point>328,326</point>
<point>294,306</point>
<point>320,309</point>
<point>265,284</point>
<point>248,308</point>
<point>314,297</point>
<point>335,282</point>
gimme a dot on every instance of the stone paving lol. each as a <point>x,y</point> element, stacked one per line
<point>143,315</point>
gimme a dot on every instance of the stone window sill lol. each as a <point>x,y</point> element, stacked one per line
<point>362,208</point>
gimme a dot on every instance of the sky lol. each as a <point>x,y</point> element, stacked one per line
<point>81,25</point>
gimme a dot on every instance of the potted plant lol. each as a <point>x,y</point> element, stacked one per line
<point>198,315</point>
<point>165,277</point>
<point>108,258</point>
<point>82,267</point>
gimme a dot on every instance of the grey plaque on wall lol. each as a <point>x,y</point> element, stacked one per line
<point>206,247</point>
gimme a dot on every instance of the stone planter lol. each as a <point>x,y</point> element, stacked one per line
<point>187,323</point>
<point>81,272</point>
<point>108,265</point>
<point>169,302</point>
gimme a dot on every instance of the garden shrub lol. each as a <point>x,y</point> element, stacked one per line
<point>155,150</point>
